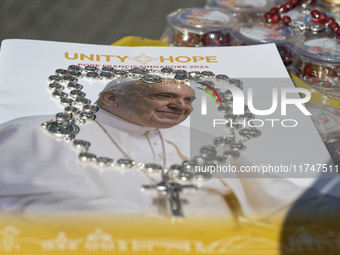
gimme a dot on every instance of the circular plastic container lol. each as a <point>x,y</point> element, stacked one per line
<point>317,62</point>
<point>197,27</point>
<point>260,33</point>
<point>246,10</point>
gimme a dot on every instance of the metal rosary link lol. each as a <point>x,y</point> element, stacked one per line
<point>78,110</point>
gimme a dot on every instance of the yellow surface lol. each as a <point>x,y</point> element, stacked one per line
<point>136,236</point>
<point>138,41</point>
<point>326,98</point>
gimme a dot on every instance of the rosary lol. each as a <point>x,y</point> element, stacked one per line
<point>78,111</point>
<point>320,19</point>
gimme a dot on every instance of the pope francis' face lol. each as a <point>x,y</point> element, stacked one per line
<point>161,105</point>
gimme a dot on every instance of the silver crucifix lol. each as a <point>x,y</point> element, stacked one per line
<point>170,190</point>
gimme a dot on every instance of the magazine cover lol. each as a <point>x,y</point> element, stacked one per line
<point>160,150</point>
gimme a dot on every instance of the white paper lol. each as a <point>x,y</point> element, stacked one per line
<point>25,66</point>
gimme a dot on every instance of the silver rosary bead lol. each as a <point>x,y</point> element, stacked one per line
<point>54,78</point>
<point>150,78</point>
<point>224,109</point>
<point>62,116</point>
<point>76,74</point>
<point>71,110</point>
<point>108,69</point>
<point>194,74</point>
<point>120,73</point>
<point>73,86</point>
<point>92,76</point>
<point>67,102</point>
<point>55,86</point>
<point>180,77</point>
<point>90,108</point>
<point>106,76</point>
<point>185,176</point>
<point>82,101</point>
<point>74,68</point>
<point>138,72</point>
<point>153,168</point>
<point>181,72</point>
<point>231,155</point>
<point>90,69</point>
<point>188,166</point>
<point>249,133</point>
<point>236,83</point>
<point>85,116</point>
<point>223,141</point>
<point>167,71</point>
<point>57,94</point>
<point>208,152</point>
<point>86,157</point>
<point>81,145</point>
<point>222,77</point>
<point>104,162</point>
<point>174,171</point>
<point>126,163</point>
<point>77,94</point>
<point>237,146</point>
<point>199,160</point>
<point>202,176</point>
<point>227,101</point>
<point>207,74</point>
<point>61,72</point>
<point>68,78</point>
<point>231,117</point>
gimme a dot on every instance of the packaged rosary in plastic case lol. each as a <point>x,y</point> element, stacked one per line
<point>245,10</point>
<point>327,121</point>
<point>261,32</point>
<point>317,61</point>
<point>197,27</point>
<point>306,16</point>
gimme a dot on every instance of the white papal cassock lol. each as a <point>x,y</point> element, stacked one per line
<point>42,174</point>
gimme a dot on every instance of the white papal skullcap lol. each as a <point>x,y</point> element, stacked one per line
<point>115,82</point>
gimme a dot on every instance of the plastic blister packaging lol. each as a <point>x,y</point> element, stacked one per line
<point>317,62</point>
<point>259,33</point>
<point>197,27</point>
<point>245,10</point>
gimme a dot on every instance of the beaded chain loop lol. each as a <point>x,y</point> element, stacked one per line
<point>320,19</point>
<point>79,111</point>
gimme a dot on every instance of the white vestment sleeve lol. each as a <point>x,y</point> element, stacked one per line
<point>38,172</point>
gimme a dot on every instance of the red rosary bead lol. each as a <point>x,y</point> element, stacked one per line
<point>330,20</point>
<point>273,16</point>
<point>274,10</point>
<point>282,9</point>
<point>308,71</point>
<point>334,26</point>
<point>322,16</point>
<point>289,5</point>
<point>315,14</point>
<point>286,20</point>
<point>276,18</point>
<point>268,16</point>
<point>295,2</point>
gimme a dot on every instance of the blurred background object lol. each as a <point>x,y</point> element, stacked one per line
<point>86,21</point>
